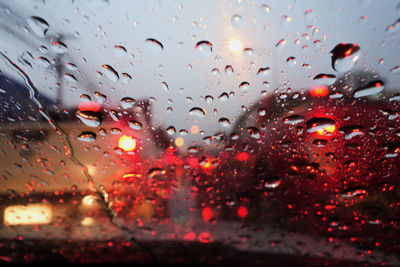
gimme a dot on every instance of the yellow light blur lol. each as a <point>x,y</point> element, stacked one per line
<point>179,141</point>
<point>31,214</point>
<point>87,221</point>
<point>89,200</point>
<point>127,143</point>
<point>235,45</point>
<point>194,129</point>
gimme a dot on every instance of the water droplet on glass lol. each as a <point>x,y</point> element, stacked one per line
<point>87,137</point>
<point>244,86</point>
<point>43,61</point>
<point>344,56</point>
<point>135,125</point>
<point>155,46</point>
<point>100,97</point>
<point>293,119</point>
<point>171,130</point>
<point>204,48</point>
<point>110,73</point>
<point>199,112</point>
<point>209,99</point>
<point>265,9</point>
<point>224,122</point>
<point>320,125</point>
<point>126,78</point>
<point>71,78</point>
<point>38,25</point>
<point>320,142</point>
<point>229,70</point>
<point>326,79</point>
<point>236,21</point>
<point>223,97</point>
<point>89,118</point>
<point>263,71</point>
<point>119,50</point>
<point>156,172</point>
<point>164,85</point>
<point>272,182</point>
<point>127,102</point>
<point>59,47</point>
<point>371,88</point>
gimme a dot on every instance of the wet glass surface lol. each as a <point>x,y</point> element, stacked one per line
<point>214,132</point>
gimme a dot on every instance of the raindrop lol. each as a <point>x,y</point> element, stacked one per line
<point>209,99</point>
<point>236,21</point>
<point>89,118</point>
<point>263,71</point>
<point>100,97</point>
<point>135,125</point>
<point>320,125</point>
<point>59,47</point>
<point>224,122</point>
<point>87,137</point>
<point>293,119</point>
<point>119,50</point>
<point>320,142</point>
<point>156,172</point>
<point>127,102</point>
<point>344,56</point>
<point>110,73</point>
<point>155,46</point>
<point>126,78</point>
<point>43,61</point>
<point>223,97</point>
<point>229,70</point>
<point>272,182</point>
<point>291,61</point>
<point>38,25</point>
<point>254,132</point>
<point>204,48</point>
<point>244,86</point>
<point>371,88</point>
<point>171,130</point>
<point>199,112</point>
<point>326,79</point>
<point>265,9</point>
<point>164,85</point>
<point>70,78</point>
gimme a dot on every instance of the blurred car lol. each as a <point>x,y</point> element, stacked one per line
<point>325,158</point>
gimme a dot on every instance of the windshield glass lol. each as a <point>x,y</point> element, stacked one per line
<point>210,132</point>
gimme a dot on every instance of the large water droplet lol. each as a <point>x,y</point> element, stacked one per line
<point>326,79</point>
<point>320,125</point>
<point>236,21</point>
<point>344,56</point>
<point>155,46</point>
<point>89,118</point>
<point>135,125</point>
<point>199,112</point>
<point>110,73</point>
<point>224,122</point>
<point>87,137</point>
<point>38,25</point>
<point>59,47</point>
<point>204,48</point>
<point>293,119</point>
<point>371,88</point>
<point>127,102</point>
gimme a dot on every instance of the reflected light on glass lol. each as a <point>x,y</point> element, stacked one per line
<point>127,143</point>
<point>235,45</point>
<point>30,214</point>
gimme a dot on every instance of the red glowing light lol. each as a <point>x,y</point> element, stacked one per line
<point>242,156</point>
<point>207,214</point>
<point>242,212</point>
<point>89,106</point>
<point>127,143</point>
<point>319,90</point>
